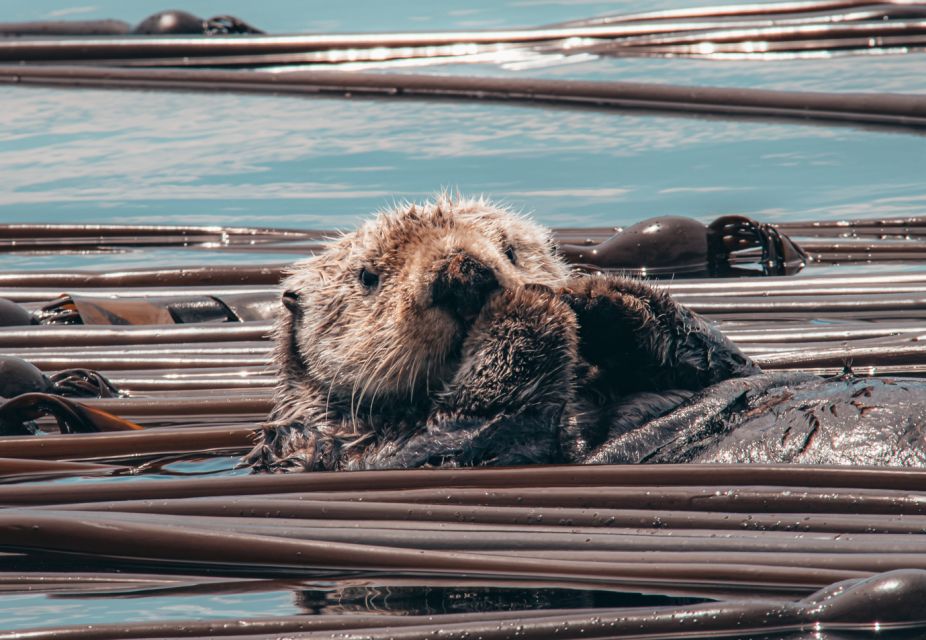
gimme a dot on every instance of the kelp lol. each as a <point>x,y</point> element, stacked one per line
<point>592,551</point>
<point>178,39</point>
<point>758,547</point>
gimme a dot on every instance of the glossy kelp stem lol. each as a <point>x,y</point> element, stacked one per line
<point>148,361</point>
<point>44,336</point>
<point>795,285</point>
<point>784,475</point>
<point>85,49</point>
<point>632,531</point>
<point>264,627</point>
<point>688,498</point>
<point>858,330</point>
<point>736,11</point>
<point>840,357</point>
<point>815,27</point>
<point>229,347</point>
<point>80,533</point>
<point>145,382</point>
<point>236,402</point>
<point>28,296</point>
<point>35,469</point>
<point>96,446</point>
<point>630,522</point>
<point>782,32</point>
<point>565,528</point>
<point>894,110</point>
<point>199,276</point>
<point>21,231</point>
<point>193,243</point>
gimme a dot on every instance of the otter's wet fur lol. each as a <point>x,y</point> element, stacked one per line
<point>451,334</point>
<point>448,333</point>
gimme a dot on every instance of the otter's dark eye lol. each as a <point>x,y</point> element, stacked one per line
<point>511,255</point>
<point>368,279</point>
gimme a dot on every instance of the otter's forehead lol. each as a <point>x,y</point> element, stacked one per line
<point>391,231</point>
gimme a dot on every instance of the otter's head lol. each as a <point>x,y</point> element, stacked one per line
<point>383,310</point>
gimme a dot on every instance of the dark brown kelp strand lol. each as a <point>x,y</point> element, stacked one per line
<point>21,469</point>
<point>195,547</point>
<point>894,110</point>
<point>47,294</point>
<point>738,11</point>
<point>539,476</point>
<point>224,234</point>
<point>237,438</point>
<point>268,627</point>
<point>48,336</point>
<point>116,363</point>
<point>529,538</point>
<point>286,513</point>
<point>816,27</point>
<point>189,276</point>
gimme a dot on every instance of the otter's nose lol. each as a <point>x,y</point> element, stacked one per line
<point>463,284</point>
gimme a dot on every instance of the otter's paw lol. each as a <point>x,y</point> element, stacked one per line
<point>287,448</point>
<point>642,340</point>
<point>520,351</point>
<point>617,321</point>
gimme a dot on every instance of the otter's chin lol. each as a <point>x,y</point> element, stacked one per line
<point>440,330</point>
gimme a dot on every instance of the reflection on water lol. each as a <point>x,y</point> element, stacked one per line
<point>431,600</point>
<point>37,610</point>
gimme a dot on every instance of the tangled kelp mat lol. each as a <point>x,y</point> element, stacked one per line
<point>151,532</point>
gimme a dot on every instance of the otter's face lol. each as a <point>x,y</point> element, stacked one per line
<point>384,309</point>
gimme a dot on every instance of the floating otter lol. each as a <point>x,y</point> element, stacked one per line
<point>451,334</point>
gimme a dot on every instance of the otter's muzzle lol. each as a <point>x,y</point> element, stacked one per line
<point>463,285</point>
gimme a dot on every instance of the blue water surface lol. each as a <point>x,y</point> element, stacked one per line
<point>309,162</point>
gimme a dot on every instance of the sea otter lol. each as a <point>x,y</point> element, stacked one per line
<point>452,334</point>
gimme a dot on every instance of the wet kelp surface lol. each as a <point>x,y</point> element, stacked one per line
<point>580,552</point>
<point>156,523</point>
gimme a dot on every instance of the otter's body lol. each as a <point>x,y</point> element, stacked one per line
<point>452,334</point>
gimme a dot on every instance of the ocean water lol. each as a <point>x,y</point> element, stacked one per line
<point>308,162</point>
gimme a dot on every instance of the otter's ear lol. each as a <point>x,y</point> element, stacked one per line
<point>291,301</point>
